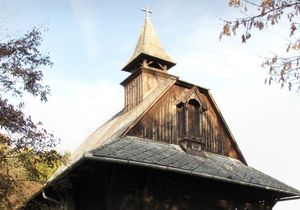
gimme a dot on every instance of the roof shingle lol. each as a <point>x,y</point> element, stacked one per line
<point>172,157</point>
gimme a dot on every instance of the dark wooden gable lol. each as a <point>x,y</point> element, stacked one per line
<point>187,116</point>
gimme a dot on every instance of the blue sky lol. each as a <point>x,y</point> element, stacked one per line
<point>90,41</point>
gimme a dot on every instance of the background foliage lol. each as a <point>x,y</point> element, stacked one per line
<point>285,68</point>
<point>27,155</point>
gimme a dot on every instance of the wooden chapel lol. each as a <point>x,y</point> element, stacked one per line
<point>168,149</point>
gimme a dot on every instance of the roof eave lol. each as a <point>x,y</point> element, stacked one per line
<point>60,175</point>
<point>139,59</point>
<point>90,156</point>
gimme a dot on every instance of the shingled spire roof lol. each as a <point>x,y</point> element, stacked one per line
<point>148,47</point>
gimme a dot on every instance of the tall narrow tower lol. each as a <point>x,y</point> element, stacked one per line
<point>148,65</point>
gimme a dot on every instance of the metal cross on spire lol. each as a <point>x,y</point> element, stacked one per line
<point>147,12</point>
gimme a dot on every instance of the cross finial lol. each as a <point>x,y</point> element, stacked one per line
<point>147,11</point>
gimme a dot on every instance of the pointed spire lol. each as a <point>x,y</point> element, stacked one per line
<point>148,49</point>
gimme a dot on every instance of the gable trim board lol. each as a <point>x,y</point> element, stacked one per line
<point>206,92</point>
<point>234,143</point>
<point>219,113</point>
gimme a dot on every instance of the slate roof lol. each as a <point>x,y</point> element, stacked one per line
<point>170,157</point>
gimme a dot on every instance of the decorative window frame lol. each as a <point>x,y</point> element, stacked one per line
<point>190,138</point>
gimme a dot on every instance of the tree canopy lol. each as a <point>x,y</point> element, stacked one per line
<point>26,148</point>
<point>283,69</point>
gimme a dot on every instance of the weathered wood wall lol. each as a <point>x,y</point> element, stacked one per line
<point>120,187</point>
<point>133,92</point>
<point>139,84</point>
<point>166,121</point>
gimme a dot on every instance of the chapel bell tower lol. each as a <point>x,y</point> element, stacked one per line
<point>148,65</point>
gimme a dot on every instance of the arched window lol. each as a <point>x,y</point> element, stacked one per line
<point>180,113</point>
<point>189,120</point>
<point>193,119</point>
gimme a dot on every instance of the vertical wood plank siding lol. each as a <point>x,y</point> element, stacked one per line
<point>133,93</point>
<point>166,122</point>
